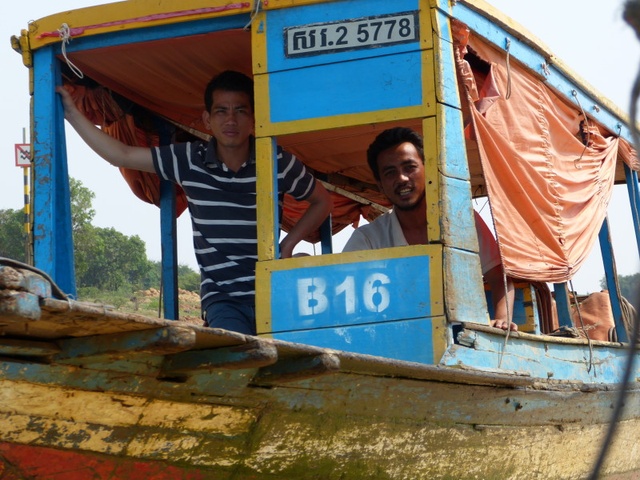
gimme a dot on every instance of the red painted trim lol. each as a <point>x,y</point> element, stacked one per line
<point>74,32</point>
<point>18,462</point>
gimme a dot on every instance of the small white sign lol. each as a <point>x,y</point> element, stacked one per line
<point>351,34</point>
<point>23,155</point>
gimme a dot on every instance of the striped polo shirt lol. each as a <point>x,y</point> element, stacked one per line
<point>222,204</point>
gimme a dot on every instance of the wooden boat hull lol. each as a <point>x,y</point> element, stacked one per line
<point>86,392</point>
<point>342,425</point>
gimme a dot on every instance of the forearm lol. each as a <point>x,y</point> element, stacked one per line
<point>112,150</point>
<point>319,209</point>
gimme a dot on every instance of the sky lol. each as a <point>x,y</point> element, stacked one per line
<point>588,35</point>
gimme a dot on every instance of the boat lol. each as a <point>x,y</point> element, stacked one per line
<point>367,365</point>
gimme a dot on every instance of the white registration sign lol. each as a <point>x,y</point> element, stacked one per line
<point>351,34</point>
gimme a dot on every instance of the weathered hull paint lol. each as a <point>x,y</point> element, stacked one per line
<point>48,431</point>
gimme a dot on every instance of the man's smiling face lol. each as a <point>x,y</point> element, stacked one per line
<point>402,176</point>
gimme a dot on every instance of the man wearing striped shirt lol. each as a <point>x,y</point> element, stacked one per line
<point>219,180</point>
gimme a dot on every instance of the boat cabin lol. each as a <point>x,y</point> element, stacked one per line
<point>505,125</point>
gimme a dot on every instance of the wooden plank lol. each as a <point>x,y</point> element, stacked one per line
<point>296,369</point>
<point>161,341</point>
<point>27,348</point>
<point>23,280</point>
<point>557,360</point>
<point>132,377</point>
<point>18,305</point>
<point>463,287</point>
<point>250,355</point>
<point>305,431</point>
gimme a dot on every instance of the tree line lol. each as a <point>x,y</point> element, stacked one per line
<point>105,259</point>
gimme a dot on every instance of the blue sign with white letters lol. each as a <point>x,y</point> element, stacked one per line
<point>350,294</point>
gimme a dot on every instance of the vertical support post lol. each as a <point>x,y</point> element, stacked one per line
<point>267,202</point>
<point>168,238</point>
<point>611,275</point>
<point>26,173</point>
<point>52,234</point>
<point>563,306</point>
<point>169,250</point>
<point>326,238</point>
<point>634,200</point>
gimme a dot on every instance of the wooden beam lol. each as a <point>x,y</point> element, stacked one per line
<point>26,348</point>
<point>296,369</point>
<point>19,304</point>
<point>159,341</point>
<point>250,355</point>
<point>23,280</point>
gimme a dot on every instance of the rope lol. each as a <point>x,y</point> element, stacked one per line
<point>65,34</point>
<point>545,69</point>
<point>582,327</point>
<point>509,320</point>
<point>254,14</point>
<point>585,125</point>
<point>508,49</point>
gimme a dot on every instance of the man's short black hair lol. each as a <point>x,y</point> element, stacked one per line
<point>228,81</point>
<point>390,138</point>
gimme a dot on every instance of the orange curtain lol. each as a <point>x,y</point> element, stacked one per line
<point>98,105</point>
<point>548,192</point>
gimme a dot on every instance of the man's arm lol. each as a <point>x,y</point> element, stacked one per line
<point>319,207</point>
<point>112,150</point>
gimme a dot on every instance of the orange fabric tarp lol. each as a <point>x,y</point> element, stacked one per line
<point>98,105</point>
<point>548,193</point>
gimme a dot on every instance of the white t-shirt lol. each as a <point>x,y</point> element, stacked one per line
<point>385,231</point>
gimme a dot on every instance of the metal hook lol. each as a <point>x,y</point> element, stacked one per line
<point>586,125</point>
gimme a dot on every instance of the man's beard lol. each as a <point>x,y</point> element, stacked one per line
<point>413,206</point>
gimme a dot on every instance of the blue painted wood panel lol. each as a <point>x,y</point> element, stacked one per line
<point>333,81</point>
<point>465,299</point>
<point>278,21</point>
<point>457,223</point>
<point>447,82</point>
<point>453,150</point>
<point>350,294</point>
<point>366,85</point>
<point>560,361</point>
<point>52,237</point>
<point>409,340</point>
